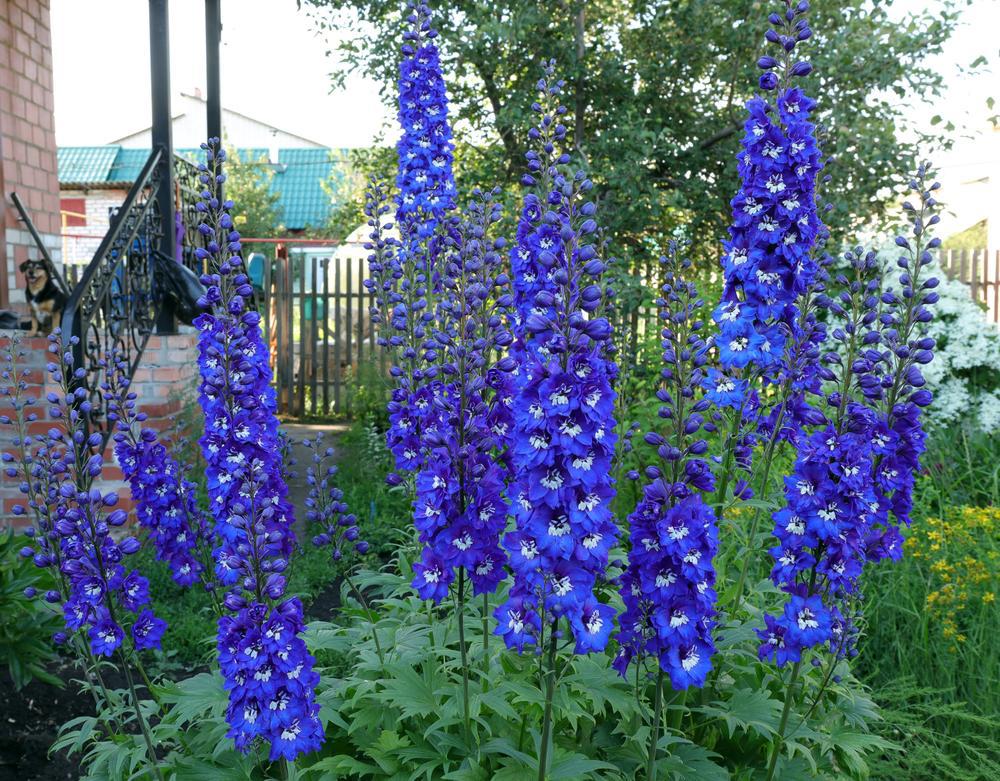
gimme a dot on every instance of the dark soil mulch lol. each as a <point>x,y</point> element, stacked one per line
<point>29,724</point>
<point>30,718</point>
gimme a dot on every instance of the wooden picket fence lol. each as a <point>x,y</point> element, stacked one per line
<point>980,270</point>
<point>316,321</point>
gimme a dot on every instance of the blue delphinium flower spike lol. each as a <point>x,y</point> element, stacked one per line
<point>669,584</point>
<point>267,669</point>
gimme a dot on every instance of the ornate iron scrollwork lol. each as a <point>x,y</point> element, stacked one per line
<point>114,307</point>
<point>189,190</point>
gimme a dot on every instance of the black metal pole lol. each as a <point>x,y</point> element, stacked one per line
<point>159,72</point>
<point>213,36</point>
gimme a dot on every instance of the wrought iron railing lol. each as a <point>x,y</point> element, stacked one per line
<point>188,194</point>
<point>114,307</point>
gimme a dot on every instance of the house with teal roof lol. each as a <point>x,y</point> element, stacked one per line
<point>94,181</point>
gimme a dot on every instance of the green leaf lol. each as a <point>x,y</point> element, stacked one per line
<point>576,766</point>
<point>690,762</point>
<point>748,710</point>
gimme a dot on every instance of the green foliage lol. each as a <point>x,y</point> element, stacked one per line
<point>929,647</point>
<point>962,468</point>
<point>655,91</point>
<point>401,717</point>
<point>26,625</point>
<point>248,184</point>
<point>190,737</point>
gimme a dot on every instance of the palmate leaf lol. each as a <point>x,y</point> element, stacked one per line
<point>408,690</point>
<point>794,769</point>
<point>75,734</point>
<point>192,769</point>
<point>606,689</point>
<point>576,766</point>
<point>340,766</point>
<point>747,710</point>
<point>690,762</point>
<point>850,747</point>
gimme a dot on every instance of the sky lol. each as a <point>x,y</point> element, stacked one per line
<point>272,68</point>
<point>276,69</point>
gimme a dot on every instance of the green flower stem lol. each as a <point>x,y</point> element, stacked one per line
<point>371,619</point>
<point>678,715</point>
<point>789,696</point>
<point>486,640</point>
<point>550,687</point>
<point>765,475</point>
<point>654,731</point>
<point>138,714</point>
<point>465,655</point>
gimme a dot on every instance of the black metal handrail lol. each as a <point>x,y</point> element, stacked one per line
<point>54,272</point>
<point>114,307</point>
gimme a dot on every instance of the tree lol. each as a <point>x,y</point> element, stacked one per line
<point>248,185</point>
<point>655,90</point>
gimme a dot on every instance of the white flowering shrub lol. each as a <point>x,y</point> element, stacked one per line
<point>965,372</point>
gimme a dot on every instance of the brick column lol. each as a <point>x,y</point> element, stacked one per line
<point>27,140</point>
<point>166,383</point>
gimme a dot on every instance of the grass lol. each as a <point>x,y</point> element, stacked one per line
<point>929,650</point>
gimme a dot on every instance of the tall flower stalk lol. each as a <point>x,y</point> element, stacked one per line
<point>769,262</point>
<point>669,584</point>
<point>562,447</point>
<point>102,600</point>
<point>265,664</point>
<point>334,526</point>
<point>164,499</point>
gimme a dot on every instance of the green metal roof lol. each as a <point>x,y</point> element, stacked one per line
<point>80,164</point>
<point>128,165</point>
<point>307,181</point>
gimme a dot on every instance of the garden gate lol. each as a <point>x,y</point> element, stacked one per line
<point>316,320</point>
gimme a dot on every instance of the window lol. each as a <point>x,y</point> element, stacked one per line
<point>73,212</point>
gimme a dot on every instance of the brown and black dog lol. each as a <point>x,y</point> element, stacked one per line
<point>44,297</point>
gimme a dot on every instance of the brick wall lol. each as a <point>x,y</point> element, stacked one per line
<point>79,247</point>
<point>27,139</point>
<point>166,383</point>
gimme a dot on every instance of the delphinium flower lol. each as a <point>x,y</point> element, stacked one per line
<point>830,501</point>
<point>897,392</point>
<point>770,260</point>
<point>850,488</point>
<point>264,661</point>
<point>104,597</point>
<point>334,526</point>
<point>562,447</point>
<point>403,318</point>
<point>105,604</point>
<point>36,461</point>
<point>669,584</point>
<point>537,242</point>
<point>563,442</point>
<point>425,181</point>
<point>460,510</point>
<point>39,461</point>
<point>164,499</point>
<point>767,260</point>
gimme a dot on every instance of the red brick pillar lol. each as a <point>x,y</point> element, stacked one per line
<point>27,140</point>
<point>166,383</point>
